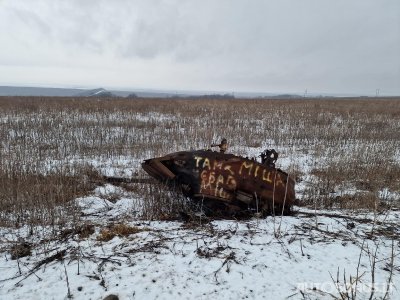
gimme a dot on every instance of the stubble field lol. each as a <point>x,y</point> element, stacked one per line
<point>343,153</point>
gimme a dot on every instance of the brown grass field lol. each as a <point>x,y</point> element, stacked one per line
<point>331,145</point>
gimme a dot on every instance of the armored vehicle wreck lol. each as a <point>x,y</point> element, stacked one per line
<point>226,182</point>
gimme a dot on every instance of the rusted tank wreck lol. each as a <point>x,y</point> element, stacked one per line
<point>225,182</point>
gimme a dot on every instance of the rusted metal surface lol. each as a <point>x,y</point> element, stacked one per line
<point>230,182</point>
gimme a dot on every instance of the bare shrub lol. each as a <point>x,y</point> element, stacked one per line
<point>163,202</point>
<point>120,230</point>
<point>31,198</point>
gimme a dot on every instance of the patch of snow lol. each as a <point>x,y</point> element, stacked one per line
<point>388,195</point>
<point>277,257</point>
<point>107,190</point>
<point>93,205</point>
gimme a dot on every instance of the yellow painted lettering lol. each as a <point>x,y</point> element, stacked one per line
<point>211,178</point>
<point>247,166</point>
<point>217,165</point>
<point>206,164</point>
<point>256,171</point>
<point>228,168</point>
<point>279,180</point>
<point>231,182</point>
<point>267,176</point>
<point>198,159</point>
<point>222,193</point>
<point>203,175</point>
<point>204,179</point>
<point>220,180</point>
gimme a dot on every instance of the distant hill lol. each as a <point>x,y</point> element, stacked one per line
<point>286,96</point>
<point>37,91</point>
<point>100,92</point>
<point>144,93</point>
<point>62,92</point>
<point>212,96</point>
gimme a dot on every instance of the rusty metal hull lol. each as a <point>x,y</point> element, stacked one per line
<point>235,181</point>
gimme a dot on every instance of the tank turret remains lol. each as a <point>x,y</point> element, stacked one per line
<point>225,183</point>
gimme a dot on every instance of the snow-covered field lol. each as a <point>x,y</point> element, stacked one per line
<point>342,154</point>
<point>310,255</point>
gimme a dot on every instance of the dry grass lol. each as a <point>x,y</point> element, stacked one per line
<point>121,230</point>
<point>47,142</point>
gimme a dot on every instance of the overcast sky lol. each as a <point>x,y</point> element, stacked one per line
<point>331,46</point>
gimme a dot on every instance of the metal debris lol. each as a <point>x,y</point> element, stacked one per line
<point>226,182</point>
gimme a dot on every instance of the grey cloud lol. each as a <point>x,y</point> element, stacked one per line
<point>244,44</point>
<point>33,22</point>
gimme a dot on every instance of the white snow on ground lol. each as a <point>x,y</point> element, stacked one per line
<point>310,255</point>
<point>100,204</point>
<point>305,256</point>
<point>123,166</point>
<point>388,195</point>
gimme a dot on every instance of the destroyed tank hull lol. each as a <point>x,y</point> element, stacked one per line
<point>225,182</point>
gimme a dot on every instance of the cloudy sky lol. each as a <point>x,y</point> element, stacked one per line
<point>324,46</point>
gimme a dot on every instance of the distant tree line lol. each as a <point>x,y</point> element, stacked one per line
<point>212,96</point>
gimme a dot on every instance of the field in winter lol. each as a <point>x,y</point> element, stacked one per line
<point>67,233</point>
